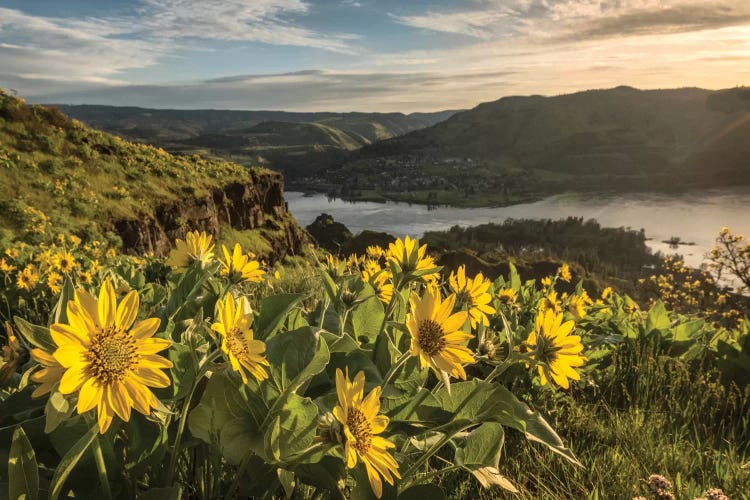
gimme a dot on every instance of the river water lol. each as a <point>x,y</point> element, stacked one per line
<point>695,217</point>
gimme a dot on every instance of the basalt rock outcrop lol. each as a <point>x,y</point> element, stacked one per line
<point>258,205</point>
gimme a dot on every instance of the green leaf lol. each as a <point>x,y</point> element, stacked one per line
<point>490,476</point>
<point>344,343</point>
<point>61,309</point>
<point>184,369</point>
<point>229,417</point>
<point>69,461</point>
<point>273,312</point>
<point>171,493</point>
<point>329,473</point>
<point>38,336</point>
<point>483,446</point>
<point>423,407</point>
<point>23,474</point>
<point>515,279</point>
<point>294,428</point>
<point>59,408</point>
<point>295,357</point>
<point>423,492</point>
<point>658,318</point>
<point>367,318</point>
<point>146,442</point>
<point>479,401</point>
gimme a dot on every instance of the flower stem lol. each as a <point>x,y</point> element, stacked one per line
<point>96,447</point>
<point>394,368</point>
<point>183,417</point>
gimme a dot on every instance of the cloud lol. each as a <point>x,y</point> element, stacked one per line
<point>575,20</point>
<point>99,48</point>
<point>235,20</point>
<point>675,18</point>
<point>475,23</point>
<point>298,91</point>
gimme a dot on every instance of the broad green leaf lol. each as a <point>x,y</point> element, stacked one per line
<point>23,474</point>
<point>293,429</point>
<point>479,401</point>
<point>367,318</point>
<point>687,331</point>
<point>69,461</point>
<point>344,343</point>
<point>228,418</point>
<point>58,409</point>
<point>273,311</point>
<point>183,371</point>
<point>423,407</point>
<point>286,478</point>
<point>295,357</point>
<point>658,318</point>
<point>38,336</point>
<point>483,446</point>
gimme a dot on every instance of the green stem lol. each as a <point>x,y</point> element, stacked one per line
<point>101,467</point>
<point>434,449</point>
<point>183,416</point>
<point>500,369</point>
<point>395,367</point>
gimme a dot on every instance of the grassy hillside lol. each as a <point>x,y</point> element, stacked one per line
<point>274,138</point>
<point>620,138</point>
<point>59,175</point>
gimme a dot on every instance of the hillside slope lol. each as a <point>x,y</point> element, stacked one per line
<point>100,186</point>
<point>276,139</point>
<point>623,138</point>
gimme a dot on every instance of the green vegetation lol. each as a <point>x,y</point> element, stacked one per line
<point>61,176</point>
<point>298,144</point>
<point>84,178</point>
<point>602,140</point>
<point>659,392</point>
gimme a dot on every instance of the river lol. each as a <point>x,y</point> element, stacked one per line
<point>695,217</point>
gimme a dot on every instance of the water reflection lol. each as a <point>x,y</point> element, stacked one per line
<point>668,219</point>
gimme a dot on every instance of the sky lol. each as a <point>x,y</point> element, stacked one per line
<point>362,55</point>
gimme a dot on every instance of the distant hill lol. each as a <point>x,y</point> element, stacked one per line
<point>59,175</point>
<point>621,138</point>
<point>275,138</point>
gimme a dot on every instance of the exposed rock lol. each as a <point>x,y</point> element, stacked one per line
<point>259,205</point>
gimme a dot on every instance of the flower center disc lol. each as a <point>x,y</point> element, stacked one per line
<point>360,428</point>
<point>431,339</point>
<point>111,354</point>
<point>236,344</point>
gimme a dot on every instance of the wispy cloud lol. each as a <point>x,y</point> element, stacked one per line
<point>473,23</point>
<point>99,48</point>
<point>580,19</point>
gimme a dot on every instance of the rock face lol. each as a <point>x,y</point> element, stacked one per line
<point>259,205</point>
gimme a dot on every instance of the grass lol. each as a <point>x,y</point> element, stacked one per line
<point>645,414</point>
<point>85,179</point>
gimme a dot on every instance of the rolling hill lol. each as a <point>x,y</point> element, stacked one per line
<point>276,139</point>
<point>621,138</point>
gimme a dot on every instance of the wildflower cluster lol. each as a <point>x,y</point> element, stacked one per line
<point>692,291</point>
<point>393,364</point>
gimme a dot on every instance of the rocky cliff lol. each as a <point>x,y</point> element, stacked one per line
<point>257,205</point>
<point>98,186</point>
